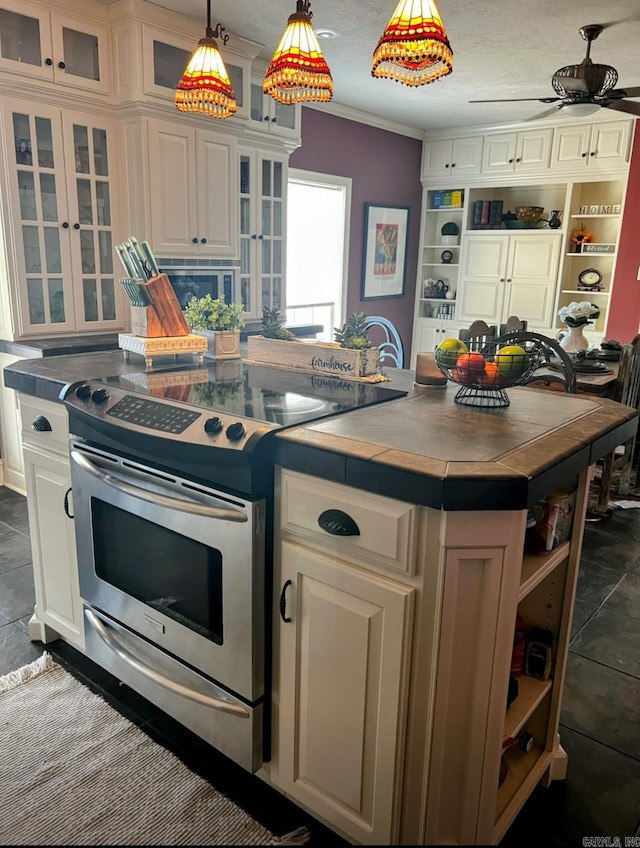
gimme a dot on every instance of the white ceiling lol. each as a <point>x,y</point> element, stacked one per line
<point>502,49</point>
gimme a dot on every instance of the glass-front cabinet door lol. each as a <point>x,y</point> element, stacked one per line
<point>89,187</point>
<point>54,47</point>
<point>263,185</point>
<point>61,209</point>
<point>276,118</point>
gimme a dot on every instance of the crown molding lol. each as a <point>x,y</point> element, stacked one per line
<point>351,114</point>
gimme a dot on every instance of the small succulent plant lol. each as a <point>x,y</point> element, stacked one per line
<point>354,334</point>
<point>271,325</point>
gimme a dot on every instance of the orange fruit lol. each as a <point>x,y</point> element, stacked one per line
<point>490,378</point>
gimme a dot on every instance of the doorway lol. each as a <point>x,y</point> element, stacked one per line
<point>318,218</point>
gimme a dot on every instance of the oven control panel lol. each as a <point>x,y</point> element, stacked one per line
<point>119,410</point>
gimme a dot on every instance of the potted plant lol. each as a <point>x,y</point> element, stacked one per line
<point>449,233</point>
<point>219,322</point>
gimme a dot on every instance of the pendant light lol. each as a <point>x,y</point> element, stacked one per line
<point>298,70</point>
<point>414,48</point>
<point>205,86</point>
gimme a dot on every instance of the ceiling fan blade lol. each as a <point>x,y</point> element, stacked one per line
<point>519,100</point>
<point>620,93</point>
<point>623,106</point>
<point>573,84</point>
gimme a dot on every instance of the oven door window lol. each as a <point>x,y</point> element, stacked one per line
<point>172,574</point>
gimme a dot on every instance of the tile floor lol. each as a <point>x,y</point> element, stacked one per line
<point>600,724</point>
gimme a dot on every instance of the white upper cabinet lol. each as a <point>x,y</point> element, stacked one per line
<point>270,116</point>
<point>597,147</point>
<point>193,191</point>
<point>50,46</point>
<point>455,157</point>
<point>517,152</point>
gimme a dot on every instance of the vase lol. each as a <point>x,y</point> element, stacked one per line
<point>222,344</point>
<point>554,221</point>
<point>573,339</point>
<point>579,248</point>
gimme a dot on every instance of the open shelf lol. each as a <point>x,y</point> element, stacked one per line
<point>530,693</point>
<point>525,771</point>
<point>535,567</point>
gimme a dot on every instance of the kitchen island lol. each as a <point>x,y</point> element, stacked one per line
<point>399,567</point>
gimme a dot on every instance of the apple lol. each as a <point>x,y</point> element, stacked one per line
<point>512,361</point>
<point>470,366</point>
<point>448,351</point>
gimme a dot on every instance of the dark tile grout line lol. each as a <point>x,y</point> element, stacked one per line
<point>599,742</point>
<point>598,608</point>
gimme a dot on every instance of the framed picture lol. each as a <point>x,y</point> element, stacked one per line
<point>605,210</point>
<point>384,258</point>
<point>593,210</point>
<point>582,210</point>
<point>616,209</point>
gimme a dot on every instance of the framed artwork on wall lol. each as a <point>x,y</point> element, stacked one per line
<point>384,258</point>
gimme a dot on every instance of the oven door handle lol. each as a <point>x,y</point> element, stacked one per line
<point>107,635</point>
<point>222,513</point>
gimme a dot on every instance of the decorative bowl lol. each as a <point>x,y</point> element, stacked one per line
<point>530,214</point>
<point>484,375</point>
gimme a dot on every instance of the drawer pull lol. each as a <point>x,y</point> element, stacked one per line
<point>41,424</point>
<point>283,602</point>
<point>338,523</point>
<point>67,510</point>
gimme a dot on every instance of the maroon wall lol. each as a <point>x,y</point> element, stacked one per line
<point>384,168</point>
<point>624,309</point>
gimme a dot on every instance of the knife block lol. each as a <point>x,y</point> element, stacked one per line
<point>145,322</point>
<point>167,308</point>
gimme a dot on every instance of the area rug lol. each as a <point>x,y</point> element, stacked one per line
<point>73,771</point>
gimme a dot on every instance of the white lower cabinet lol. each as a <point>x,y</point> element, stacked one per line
<point>342,681</point>
<point>58,610</point>
<point>428,334</point>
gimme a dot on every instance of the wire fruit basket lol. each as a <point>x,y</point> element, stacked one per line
<point>484,375</point>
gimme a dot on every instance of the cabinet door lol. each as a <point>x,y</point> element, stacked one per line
<point>25,39</point>
<point>81,54</point>
<point>499,153</point>
<point>571,146</point>
<point>466,156</point>
<point>172,169</point>
<point>89,160</point>
<point>53,545</point>
<point>532,270</point>
<point>436,158</point>
<point>217,219</point>
<point>39,219</point>
<point>426,338</point>
<point>10,441</point>
<point>342,692</point>
<point>481,291</point>
<point>610,145</point>
<point>270,116</point>
<point>533,150</point>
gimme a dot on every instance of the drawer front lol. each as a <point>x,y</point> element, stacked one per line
<point>36,410</point>
<point>386,528</point>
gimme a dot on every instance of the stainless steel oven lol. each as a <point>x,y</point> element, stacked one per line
<point>166,562</point>
<point>172,477</point>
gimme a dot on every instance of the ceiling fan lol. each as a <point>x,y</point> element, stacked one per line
<point>585,87</point>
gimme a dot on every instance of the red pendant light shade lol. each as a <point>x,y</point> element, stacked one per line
<point>205,87</point>
<point>414,48</point>
<point>298,70</point>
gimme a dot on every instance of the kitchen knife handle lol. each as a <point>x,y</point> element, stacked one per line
<point>137,254</point>
<point>151,259</point>
<point>138,269</point>
<point>123,256</point>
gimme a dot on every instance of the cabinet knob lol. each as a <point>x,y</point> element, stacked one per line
<point>509,279</point>
<point>203,241</point>
<point>194,240</point>
<point>584,155</point>
<point>447,165</point>
<point>41,424</point>
<point>511,161</point>
<point>518,159</point>
<point>593,153</point>
<point>273,120</point>
<point>62,66</point>
<point>260,237</point>
<point>65,225</point>
<point>502,279</point>
<point>254,236</point>
<point>453,164</point>
<point>76,226</point>
<point>266,118</point>
<point>48,62</point>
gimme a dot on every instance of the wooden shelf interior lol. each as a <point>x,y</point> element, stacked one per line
<point>530,694</point>
<point>535,567</point>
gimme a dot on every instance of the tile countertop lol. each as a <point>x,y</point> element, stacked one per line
<point>423,448</point>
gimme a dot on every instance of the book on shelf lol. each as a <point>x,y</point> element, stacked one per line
<point>486,209</point>
<point>437,199</point>
<point>477,213</point>
<point>495,213</point>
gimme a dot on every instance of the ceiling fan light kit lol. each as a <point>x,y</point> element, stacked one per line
<point>414,48</point>
<point>205,87</point>
<point>585,88</point>
<point>298,71</point>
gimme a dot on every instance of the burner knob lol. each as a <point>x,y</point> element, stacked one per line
<point>235,431</point>
<point>83,392</point>
<point>100,396</point>
<point>212,425</point>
